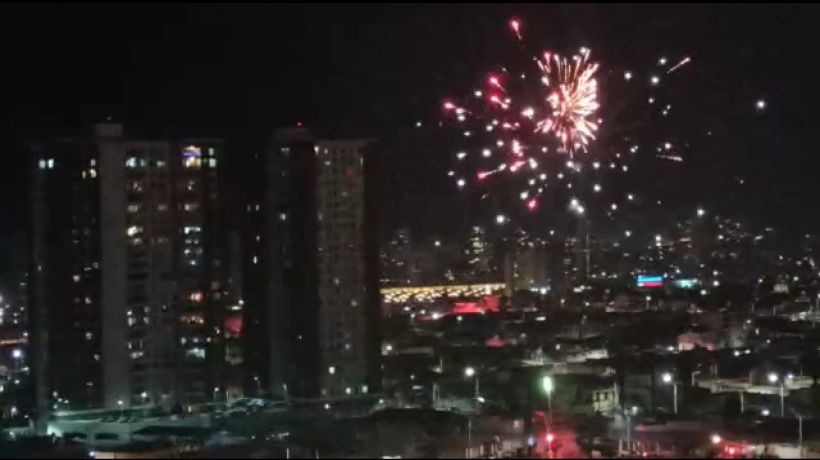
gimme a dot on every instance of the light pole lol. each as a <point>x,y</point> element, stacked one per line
<point>17,355</point>
<point>471,373</point>
<point>774,378</point>
<point>694,373</point>
<point>122,409</point>
<point>800,432</point>
<point>258,385</point>
<point>548,385</point>
<point>668,379</point>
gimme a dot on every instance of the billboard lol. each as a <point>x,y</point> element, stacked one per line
<point>686,283</point>
<point>649,281</point>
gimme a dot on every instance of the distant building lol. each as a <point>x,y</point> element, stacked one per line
<point>312,269</point>
<point>526,268</point>
<point>127,287</point>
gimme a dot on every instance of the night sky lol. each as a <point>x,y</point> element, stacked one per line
<point>238,71</point>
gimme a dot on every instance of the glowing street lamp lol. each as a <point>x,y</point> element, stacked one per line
<point>773,378</point>
<point>669,379</point>
<point>547,385</point>
<point>471,373</point>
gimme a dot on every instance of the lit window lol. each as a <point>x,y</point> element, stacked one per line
<point>196,297</point>
<point>42,164</point>
<point>132,208</point>
<point>133,230</point>
<point>331,370</point>
<point>255,259</point>
<point>131,162</point>
<point>212,162</point>
<point>51,163</point>
<point>162,207</point>
<point>192,157</point>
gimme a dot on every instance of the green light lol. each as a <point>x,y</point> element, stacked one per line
<point>547,384</point>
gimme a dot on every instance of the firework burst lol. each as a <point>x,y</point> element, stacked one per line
<point>533,129</point>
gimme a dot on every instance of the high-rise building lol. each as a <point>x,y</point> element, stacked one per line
<point>312,300</point>
<point>480,256</point>
<point>127,281</point>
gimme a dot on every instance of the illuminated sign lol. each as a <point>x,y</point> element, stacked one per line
<point>686,283</point>
<point>649,281</point>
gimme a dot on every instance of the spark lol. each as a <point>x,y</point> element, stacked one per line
<point>675,158</point>
<point>682,63</point>
<point>760,104</point>
<point>515,25</point>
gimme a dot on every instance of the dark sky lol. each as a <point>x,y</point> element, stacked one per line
<point>237,71</point>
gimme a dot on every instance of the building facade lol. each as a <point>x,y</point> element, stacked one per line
<point>127,284</point>
<point>311,268</point>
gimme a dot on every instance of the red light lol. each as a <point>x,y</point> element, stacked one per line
<point>494,81</point>
<point>550,438</point>
<point>731,450</point>
<point>532,204</point>
<point>449,105</point>
<point>515,25</point>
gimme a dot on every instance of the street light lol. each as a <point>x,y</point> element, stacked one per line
<point>547,384</point>
<point>471,373</point>
<point>774,378</point>
<point>668,379</point>
<point>716,439</point>
<point>122,409</point>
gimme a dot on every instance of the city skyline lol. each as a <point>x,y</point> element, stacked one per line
<point>401,231</point>
<point>242,96</point>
